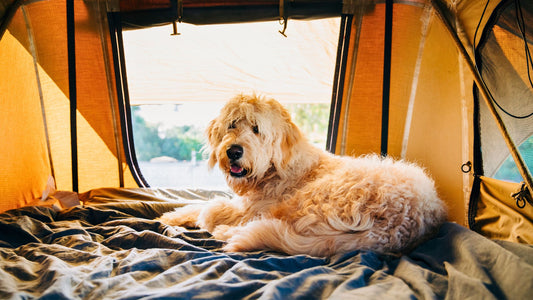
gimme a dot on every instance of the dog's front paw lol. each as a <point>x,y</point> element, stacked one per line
<point>233,248</point>
<point>242,246</point>
<point>237,246</point>
<point>242,241</point>
<point>223,232</point>
<point>186,216</point>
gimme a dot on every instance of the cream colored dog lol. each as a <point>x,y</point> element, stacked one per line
<point>298,199</point>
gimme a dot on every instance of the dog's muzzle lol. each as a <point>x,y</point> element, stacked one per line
<point>234,153</point>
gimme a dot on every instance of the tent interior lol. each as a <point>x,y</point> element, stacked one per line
<point>443,83</point>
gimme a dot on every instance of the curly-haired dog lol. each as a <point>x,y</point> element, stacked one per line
<point>296,198</point>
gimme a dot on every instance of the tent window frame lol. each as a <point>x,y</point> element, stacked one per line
<point>338,82</point>
<point>116,24</point>
<point>477,143</point>
<point>115,29</point>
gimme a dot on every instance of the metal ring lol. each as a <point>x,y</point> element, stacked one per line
<point>466,167</point>
<point>520,202</point>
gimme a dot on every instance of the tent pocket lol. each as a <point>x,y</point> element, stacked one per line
<point>501,210</point>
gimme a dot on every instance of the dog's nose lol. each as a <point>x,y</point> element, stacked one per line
<point>234,152</point>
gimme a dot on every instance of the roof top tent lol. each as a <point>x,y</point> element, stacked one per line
<point>446,84</point>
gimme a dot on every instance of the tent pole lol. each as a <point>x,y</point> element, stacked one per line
<point>522,168</point>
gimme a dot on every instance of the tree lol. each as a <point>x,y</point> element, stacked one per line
<point>146,139</point>
<point>178,142</point>
<point>181,141</point>
<point>312,119</point>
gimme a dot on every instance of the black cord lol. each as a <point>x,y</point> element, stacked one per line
<point>522,27</point>
<point>529,61</point>
<point>477,29</point>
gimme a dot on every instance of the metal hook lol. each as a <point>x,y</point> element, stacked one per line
<point>283,19</point>
<point>522,197</point>
<point>175,28</point>
<point>180,14</point>
<point>284,23</point>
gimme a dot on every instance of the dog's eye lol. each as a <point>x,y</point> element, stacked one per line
<point>255,129</point>
<point>232,125</point>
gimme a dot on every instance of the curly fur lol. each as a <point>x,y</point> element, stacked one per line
<point>298,199</point>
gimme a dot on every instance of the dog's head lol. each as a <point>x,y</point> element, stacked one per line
<point>252,139</point>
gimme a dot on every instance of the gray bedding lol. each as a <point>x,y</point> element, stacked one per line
<point>115,250</point>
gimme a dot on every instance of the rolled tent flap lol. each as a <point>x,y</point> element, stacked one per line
<point>149,13</point>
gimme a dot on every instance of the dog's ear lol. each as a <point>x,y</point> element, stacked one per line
<point>212,134</point>
<point>290,138</point>
<point>212,160</point>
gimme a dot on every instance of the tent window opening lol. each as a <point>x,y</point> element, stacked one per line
<point>178,83</point>
<point>504,61</point>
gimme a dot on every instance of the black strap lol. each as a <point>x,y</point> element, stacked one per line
<point>338,82</point>
<point>473,202</point>
<point>71,48</point>
<point>386,78</point>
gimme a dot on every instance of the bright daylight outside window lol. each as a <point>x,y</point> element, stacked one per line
<point>178,83</point>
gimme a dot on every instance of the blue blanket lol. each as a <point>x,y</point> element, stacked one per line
<point>117,251</point>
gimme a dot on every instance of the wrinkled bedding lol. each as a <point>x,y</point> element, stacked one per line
<point>111,248</point>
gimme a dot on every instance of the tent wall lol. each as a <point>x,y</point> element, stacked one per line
<point>505,69</point>
<point>431,101</point>
<point>430,105</point>
<point>35,103</point>
<point>430,110</point>
<point>24,160</point>
<point>34,100</point>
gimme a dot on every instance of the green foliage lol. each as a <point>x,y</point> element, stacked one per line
<point>177,142</point>
<point>312,119</point>
<point>145,136</point>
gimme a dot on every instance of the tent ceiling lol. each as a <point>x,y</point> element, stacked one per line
<point>149,13</point>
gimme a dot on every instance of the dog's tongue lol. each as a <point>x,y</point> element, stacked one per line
<point>235,169</point>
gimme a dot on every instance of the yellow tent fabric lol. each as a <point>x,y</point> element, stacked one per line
<point>431,100</point>
<point>497,214</point>
<point>24,160</point>
<point>34,104</point>
<point>428,103</point>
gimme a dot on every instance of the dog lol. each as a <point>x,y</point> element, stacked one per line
<point>298,199</point>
